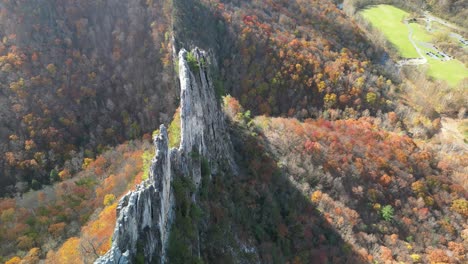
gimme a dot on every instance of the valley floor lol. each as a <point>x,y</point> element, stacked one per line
<point>414,39</point>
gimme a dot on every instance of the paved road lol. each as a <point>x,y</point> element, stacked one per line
<point>430,17</point>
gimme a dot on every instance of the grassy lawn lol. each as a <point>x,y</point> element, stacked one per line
<point>420,33</point>
<point>389,19</point>
<point>452,71</point>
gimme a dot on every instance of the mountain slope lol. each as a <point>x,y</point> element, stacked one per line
<point>295,58</point>
<point>298,191</point>
<point>327,162</point>
<point>78,76</point>
<point>198,195</point>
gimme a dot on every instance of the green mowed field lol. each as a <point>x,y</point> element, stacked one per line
<point>389,20</point>
<point>452,71</point>
<point>420,33</point>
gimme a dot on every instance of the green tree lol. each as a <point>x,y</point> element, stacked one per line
<point>387,212</point>
<point>54,176</point>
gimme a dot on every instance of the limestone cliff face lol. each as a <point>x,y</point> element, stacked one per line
<point>203,128</point>
<point>145,215</point>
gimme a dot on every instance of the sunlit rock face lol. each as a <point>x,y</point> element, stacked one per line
<point>203,126</point>
<point>145,215</point>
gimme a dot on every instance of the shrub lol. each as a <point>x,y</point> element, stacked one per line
<point>147,156</point>
<point>174,130</point>
<point>192,62</point>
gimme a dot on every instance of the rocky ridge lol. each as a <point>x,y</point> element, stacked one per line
<point>144,216</point>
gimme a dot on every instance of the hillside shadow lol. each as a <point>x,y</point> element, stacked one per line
<point>268,214</point>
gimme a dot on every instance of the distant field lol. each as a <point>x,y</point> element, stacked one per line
<point>452,71</point>
<point>389,20</point>
<point>420,33</point>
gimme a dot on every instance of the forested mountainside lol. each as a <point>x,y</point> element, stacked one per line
<point>78,76</point>
<point>297,139</point>
<point>293,58</point>
<point>82,76</point>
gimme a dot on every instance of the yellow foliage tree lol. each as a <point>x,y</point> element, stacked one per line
<point>69,252</point>
<point>86,163</point>
<point>460,206</point>
<point>371,97</point>
<point>13,260</point>
<point>64,174</point>
<point>33,256</point>
<point>330,99</point>
<point>316,196</point>
<point>108,199</point>
<point>96,235</point>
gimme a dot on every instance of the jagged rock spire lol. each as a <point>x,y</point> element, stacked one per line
<point>145,215</point>
<point>203,128</point>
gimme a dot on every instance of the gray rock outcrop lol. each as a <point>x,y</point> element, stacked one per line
<point>203,128</point>
<point>145,215</point>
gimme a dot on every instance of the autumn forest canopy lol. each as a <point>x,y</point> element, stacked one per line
<point>343,154</point>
